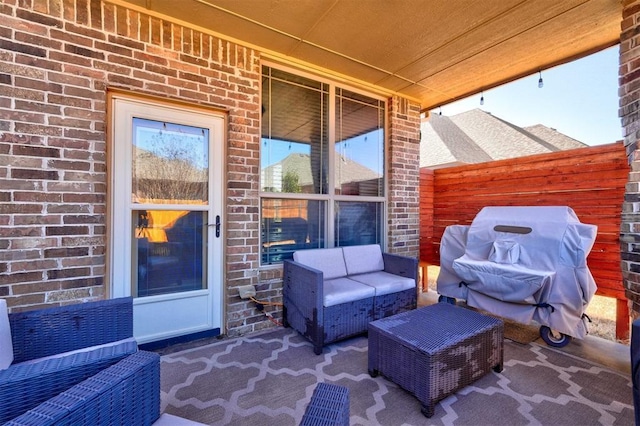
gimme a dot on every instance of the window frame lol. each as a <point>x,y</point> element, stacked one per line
<point>330,198</point>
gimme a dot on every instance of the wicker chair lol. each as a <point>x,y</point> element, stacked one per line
<point>79,364</point>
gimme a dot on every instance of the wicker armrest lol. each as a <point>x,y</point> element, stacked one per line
<point>401,265</point>
<point>302,289</point>
<point>24,386</point>
<point>127,393</point>
<point>302,295</point>
<point>45,332</point>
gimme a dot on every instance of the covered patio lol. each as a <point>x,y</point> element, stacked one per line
<point>436,54</point>
<point>63,61</point>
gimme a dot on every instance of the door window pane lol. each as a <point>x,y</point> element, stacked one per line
<point>294,150</point>
<point>358,223</point>
<point>290,225</point>
<point>168,252</point>
<point>170,163</point>
<point>359,148</point>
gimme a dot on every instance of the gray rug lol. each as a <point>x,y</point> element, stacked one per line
<point>268,379</point>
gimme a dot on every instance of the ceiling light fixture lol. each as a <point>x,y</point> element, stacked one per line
<point>482,98</point>
<point>540,82</point>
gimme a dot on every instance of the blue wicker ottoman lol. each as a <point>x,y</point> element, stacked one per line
<point>436,350</point>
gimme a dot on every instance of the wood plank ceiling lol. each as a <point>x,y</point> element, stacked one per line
<point>431,51</point>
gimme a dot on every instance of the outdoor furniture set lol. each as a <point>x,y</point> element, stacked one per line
<point>332,294</point>
<point>78,365</point>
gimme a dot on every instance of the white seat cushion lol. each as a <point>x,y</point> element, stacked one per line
<point>343,290</point>
<point>6,345</point>
<point>329,261</point>
<point>363,259</point>
<point>384,282</point>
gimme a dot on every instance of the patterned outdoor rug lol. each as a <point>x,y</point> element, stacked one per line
<point>268,379</point>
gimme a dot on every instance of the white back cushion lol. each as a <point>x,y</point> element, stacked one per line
<point>330,261</point>
<point>6,347</point>
<point>363,259</point>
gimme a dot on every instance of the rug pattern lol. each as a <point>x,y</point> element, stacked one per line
<point>268,379</point>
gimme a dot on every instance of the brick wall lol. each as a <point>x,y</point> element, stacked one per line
<point>58,58</point>
<point>629,93</point>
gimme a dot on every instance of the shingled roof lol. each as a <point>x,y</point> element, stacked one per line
<point>477,136</point>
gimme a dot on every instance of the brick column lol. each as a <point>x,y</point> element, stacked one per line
<point>404,177</point>
<point>629,92</point>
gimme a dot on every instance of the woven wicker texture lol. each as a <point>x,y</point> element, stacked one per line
<point>51,331</point>
<point>329,406</point>
<point>434,351</point>
<point>43,380</point>
<point>126,393</point>
<point>48,384</point>
<point>391,304</point>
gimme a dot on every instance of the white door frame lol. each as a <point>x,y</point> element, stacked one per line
<point>169,315</point>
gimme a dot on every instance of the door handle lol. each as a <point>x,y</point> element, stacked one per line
<point>217,226</point>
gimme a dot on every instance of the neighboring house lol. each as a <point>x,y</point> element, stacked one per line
<point>477,136</point>
<point>298,165</point>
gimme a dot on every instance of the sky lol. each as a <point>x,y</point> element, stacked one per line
<point>579,99</point>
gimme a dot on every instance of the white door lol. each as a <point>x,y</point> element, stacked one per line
<point>166,216</point>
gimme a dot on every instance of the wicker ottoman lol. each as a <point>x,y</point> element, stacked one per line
<point>436,350</point>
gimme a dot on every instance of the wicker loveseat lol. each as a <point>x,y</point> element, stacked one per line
<point>332,294</point>
<point>79,364</point>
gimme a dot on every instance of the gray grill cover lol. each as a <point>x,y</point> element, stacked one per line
<point>523,263</point>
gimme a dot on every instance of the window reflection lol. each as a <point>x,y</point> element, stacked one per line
<point>290,225</point>
<point>301,156</point>
<point>358,223</point>
<point>169,252</point>
<point>294,151</point>
<point>359,148</point>
<point>170,163</point>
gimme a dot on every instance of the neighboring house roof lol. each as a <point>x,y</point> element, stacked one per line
<point>476,136</point>
<point>300,164</point>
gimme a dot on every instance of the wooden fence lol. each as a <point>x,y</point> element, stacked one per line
<point>589,180</point>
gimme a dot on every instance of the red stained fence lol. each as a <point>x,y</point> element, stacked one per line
<point>589,180</point>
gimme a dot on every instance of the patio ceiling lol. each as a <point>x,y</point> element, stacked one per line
<point>433,52</point>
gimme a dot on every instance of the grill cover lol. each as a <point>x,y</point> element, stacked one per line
<point>523,263</point>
